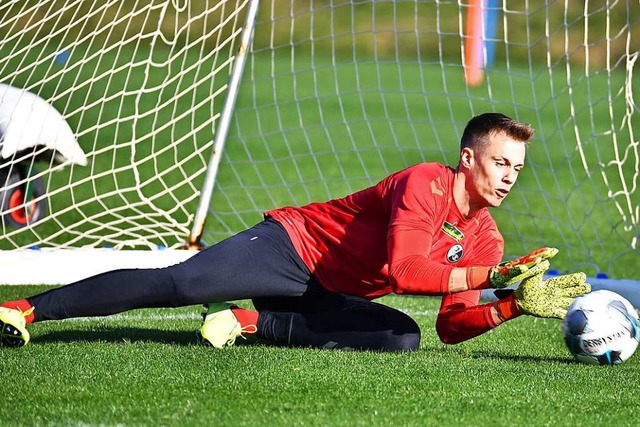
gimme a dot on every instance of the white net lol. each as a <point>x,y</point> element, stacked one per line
<point>141,86</point>
<point>336,95</point>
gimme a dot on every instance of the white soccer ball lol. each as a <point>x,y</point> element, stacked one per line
<point>602,328</point>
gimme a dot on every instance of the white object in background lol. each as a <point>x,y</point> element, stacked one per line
<point>27,121</point>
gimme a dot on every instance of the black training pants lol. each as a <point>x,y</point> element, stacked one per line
<point>259,264</point>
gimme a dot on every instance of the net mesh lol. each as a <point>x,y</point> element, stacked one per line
<point>141,84</point>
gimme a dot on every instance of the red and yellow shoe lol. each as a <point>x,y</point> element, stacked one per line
<point>13,328</point>
<point>220,326</point>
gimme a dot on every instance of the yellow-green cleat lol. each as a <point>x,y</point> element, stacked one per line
<point>220,327</point>
<point>13,328</point>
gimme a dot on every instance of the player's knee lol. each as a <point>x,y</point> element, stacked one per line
<point>408,341</point>
<point>404,336</point>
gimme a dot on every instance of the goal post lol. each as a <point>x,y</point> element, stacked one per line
<point>335,94</point>
<point>222,132</point>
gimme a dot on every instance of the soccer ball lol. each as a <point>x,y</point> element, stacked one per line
<point>602,328</point>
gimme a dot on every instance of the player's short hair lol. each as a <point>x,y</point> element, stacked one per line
<point>480,127</point>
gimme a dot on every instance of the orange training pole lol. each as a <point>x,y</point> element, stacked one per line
<point>474,44</point>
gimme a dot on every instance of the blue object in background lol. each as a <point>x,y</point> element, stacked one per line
<point>629,289</point>
<point>491,11</point>
<point>62,57</point>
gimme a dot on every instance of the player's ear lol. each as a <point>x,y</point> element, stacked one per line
<point>466,157</point>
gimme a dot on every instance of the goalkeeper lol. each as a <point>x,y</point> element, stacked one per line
<point>313,272</point>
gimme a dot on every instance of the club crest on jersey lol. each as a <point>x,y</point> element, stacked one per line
<point>455,253</point>
<point>452,231</point>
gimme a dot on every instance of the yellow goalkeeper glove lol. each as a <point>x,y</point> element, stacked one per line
<point>552,297</point>
<point>511,272</point>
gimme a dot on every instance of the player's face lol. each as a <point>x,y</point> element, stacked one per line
<point>494,170</point>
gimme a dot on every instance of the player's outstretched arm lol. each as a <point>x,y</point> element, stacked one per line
<point>511,272</point>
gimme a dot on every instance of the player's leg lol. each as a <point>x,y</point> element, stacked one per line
<point>258,262</point>
<point>324,319</point>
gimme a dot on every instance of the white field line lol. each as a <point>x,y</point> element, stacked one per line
<point>121,317</point>
<point>192,316</point>
<point>420,312</point>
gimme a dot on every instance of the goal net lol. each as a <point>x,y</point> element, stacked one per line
<point>141,85</point>
<point>335,95</point>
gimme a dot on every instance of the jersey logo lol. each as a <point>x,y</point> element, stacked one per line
<point>455,253</point>
<point>452,231</point>
<point>437,188</point>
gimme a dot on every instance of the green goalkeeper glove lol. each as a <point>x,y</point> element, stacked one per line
<point>511,272</point>
<point>552,297</point>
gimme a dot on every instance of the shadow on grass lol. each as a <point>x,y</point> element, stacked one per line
<point>521,358</point>
<point>485,354</point>
<point>188,338</point>
<point>118,335</point>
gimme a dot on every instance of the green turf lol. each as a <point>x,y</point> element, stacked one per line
<point>295,143</point>
<point>144,368</point>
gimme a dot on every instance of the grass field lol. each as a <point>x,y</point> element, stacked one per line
<point>309,127</point>
<point>145,368</point>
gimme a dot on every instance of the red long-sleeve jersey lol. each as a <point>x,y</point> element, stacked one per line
<point>403,235</point>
